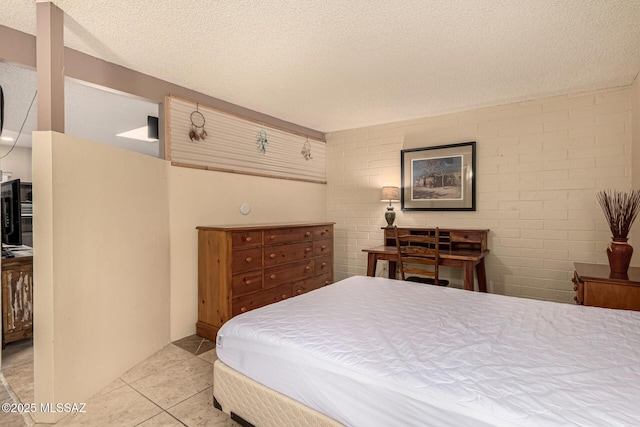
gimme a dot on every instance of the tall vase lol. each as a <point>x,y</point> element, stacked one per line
<point>619,253</point>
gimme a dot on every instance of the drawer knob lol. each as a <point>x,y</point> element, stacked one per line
<point>323,247</point>
<point>243,309</point>
<point>466,236</point>
<point>272,255</point>
<point>246,239</point>
<point>299,291</point>
<point>248,259</point>
<point>272,237</point>
<point>307,250</point>
<point>284,296</point>
<point>575,288</point>
<point>307,268</point>
<point>307,234</point>
<point>247,281</point>
<point>273,276</point>
<point>326,282</point>
<point>323,232</point>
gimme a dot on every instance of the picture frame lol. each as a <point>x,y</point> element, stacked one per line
<point>439,178</point>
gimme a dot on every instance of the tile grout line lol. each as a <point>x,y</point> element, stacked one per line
<point>27,418</point>
<point>193,356</point>
<point>158,406</point>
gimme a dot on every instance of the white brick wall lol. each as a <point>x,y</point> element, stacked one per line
<point>539,166</point>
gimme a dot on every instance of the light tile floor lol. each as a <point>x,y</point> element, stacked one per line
<point>171,388</point>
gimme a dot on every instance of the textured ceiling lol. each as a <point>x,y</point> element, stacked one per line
<point>336,64</point>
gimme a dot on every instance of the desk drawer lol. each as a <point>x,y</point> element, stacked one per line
<point>466,236</point>
<point>287,235</point>
<point>274,255</point>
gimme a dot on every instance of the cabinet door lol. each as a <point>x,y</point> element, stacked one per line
<point>17,302</point>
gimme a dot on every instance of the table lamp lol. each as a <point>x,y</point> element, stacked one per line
<point>391,194</point>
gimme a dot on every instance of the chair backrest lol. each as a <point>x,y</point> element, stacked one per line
<point>419,253</point>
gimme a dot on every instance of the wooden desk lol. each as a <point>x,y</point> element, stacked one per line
<point>464,249</point>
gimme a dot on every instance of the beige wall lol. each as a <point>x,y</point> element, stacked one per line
<point>18,162</point>
<point>635,159</point>
<point>101,264</point>
<point>208,198</point>
<point>539,166</point>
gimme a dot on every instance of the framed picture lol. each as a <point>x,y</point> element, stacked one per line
<point>440,178</point>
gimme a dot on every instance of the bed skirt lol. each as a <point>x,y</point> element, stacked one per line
<point>259,405</point>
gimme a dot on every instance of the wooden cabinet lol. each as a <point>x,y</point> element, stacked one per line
<point>595,285</point>
<point>246,267</point>
<point>17,298</point>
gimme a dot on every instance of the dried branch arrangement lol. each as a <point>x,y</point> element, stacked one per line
<point>620,209</point>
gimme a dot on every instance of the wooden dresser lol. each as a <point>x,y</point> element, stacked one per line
<point>17,298</point>
<point>595,285</point>
<point>241,268</point>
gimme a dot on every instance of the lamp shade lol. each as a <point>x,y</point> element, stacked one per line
<point>390,194</point>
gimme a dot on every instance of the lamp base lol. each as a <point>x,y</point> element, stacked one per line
<point>390,216</point>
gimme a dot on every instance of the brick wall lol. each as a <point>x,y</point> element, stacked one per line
<point>539,166</point>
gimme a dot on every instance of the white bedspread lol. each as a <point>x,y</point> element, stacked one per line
<point>379,352</point>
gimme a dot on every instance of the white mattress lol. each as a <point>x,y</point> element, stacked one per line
<point>379,352</point>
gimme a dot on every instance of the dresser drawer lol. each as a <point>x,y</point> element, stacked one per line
<point>287,235</point>
<point>247,260</point>
<point>246,239</point>
<point>323,232</point>
<point>258,299</point>
<point>324,264</point>
<point>246,282</point>
<point>322,247</point>
<point>274,255</point>
<point>274,276</point>
<point>310,284</point>
<point>578,287</point>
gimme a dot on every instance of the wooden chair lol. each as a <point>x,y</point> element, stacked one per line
<point>420,254</point>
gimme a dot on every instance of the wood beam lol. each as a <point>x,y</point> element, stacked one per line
<point>50,66</point>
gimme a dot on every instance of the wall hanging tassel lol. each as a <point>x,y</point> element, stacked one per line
<point>306,150</point>
<point>262,141</point>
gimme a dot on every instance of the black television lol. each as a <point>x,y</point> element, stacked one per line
<point>11,213</point>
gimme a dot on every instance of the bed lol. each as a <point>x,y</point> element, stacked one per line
<point>379,352</point>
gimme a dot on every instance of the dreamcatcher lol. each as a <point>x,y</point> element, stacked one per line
<point>197,131</point>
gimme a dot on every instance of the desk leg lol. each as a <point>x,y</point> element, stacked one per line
<point>468,275</point>
<point>371,265</point>
<point>482,276</point>
<point>392,269</point>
